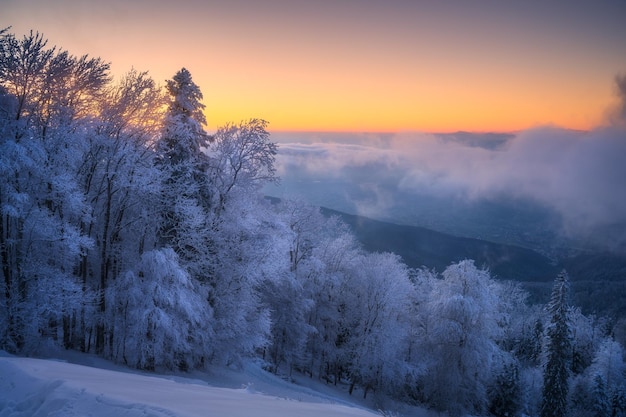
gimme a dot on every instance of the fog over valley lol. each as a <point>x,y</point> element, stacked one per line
<point>544,188</point>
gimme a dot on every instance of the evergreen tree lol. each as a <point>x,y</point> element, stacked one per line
<point>536,346</point>
<point>506,393</point>
<point>558,352</point>
<point>184,136</point>
<point>618,402</point>
<point>601,403</point>
<point>184,164</point>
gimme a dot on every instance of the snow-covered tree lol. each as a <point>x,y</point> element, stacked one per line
<point>242,160</point>
<point>133,107</point>
<point>524,334</point>
<point>323,273</point>
<point>41,203</point>
<point>601,403</point>
<point>608,362</point>
<point>377,294</point>
<point>118,177</point>
<point>416,349</point>
<point>183,135</point>
<point>618,401</point>
<point>464,317</point>
<point>243,259</point>
<point>505,393</point>
<point>160,315</point>
<point>289,330</point>
<point>51,86</point>
<point>586,338</point>
<point>285,293</point>
<point>558,351</point>
<point>184,165</point>
<point>305,222</point>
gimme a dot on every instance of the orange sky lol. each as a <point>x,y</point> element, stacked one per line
<point>359,65</point>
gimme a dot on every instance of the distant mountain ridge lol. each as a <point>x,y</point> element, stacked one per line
<point>421,247</point>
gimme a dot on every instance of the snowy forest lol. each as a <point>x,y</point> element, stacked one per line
<point>129,232</point>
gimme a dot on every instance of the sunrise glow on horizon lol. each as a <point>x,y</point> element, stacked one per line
<point>359,65</point>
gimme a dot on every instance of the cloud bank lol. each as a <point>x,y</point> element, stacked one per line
<point>579,175</point>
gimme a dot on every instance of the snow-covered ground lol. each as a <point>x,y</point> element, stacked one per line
<point>38,387</point>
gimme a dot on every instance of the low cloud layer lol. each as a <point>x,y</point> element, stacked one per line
<point>580,175</point>
<point>618,115</point>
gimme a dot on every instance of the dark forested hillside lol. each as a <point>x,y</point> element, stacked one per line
<point>423,247</point>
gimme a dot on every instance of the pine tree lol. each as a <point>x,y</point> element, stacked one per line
<point>601,403</point>
<point>506,392</point>
<point>184,164</point>
<point>558,352</point>
<point>536,346</point>
<point>184,136</point>
<point>618,402</point>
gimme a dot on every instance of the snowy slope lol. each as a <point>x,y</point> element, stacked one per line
<point>35,387</point>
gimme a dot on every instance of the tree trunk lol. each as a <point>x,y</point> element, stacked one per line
<point>104,272</point>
